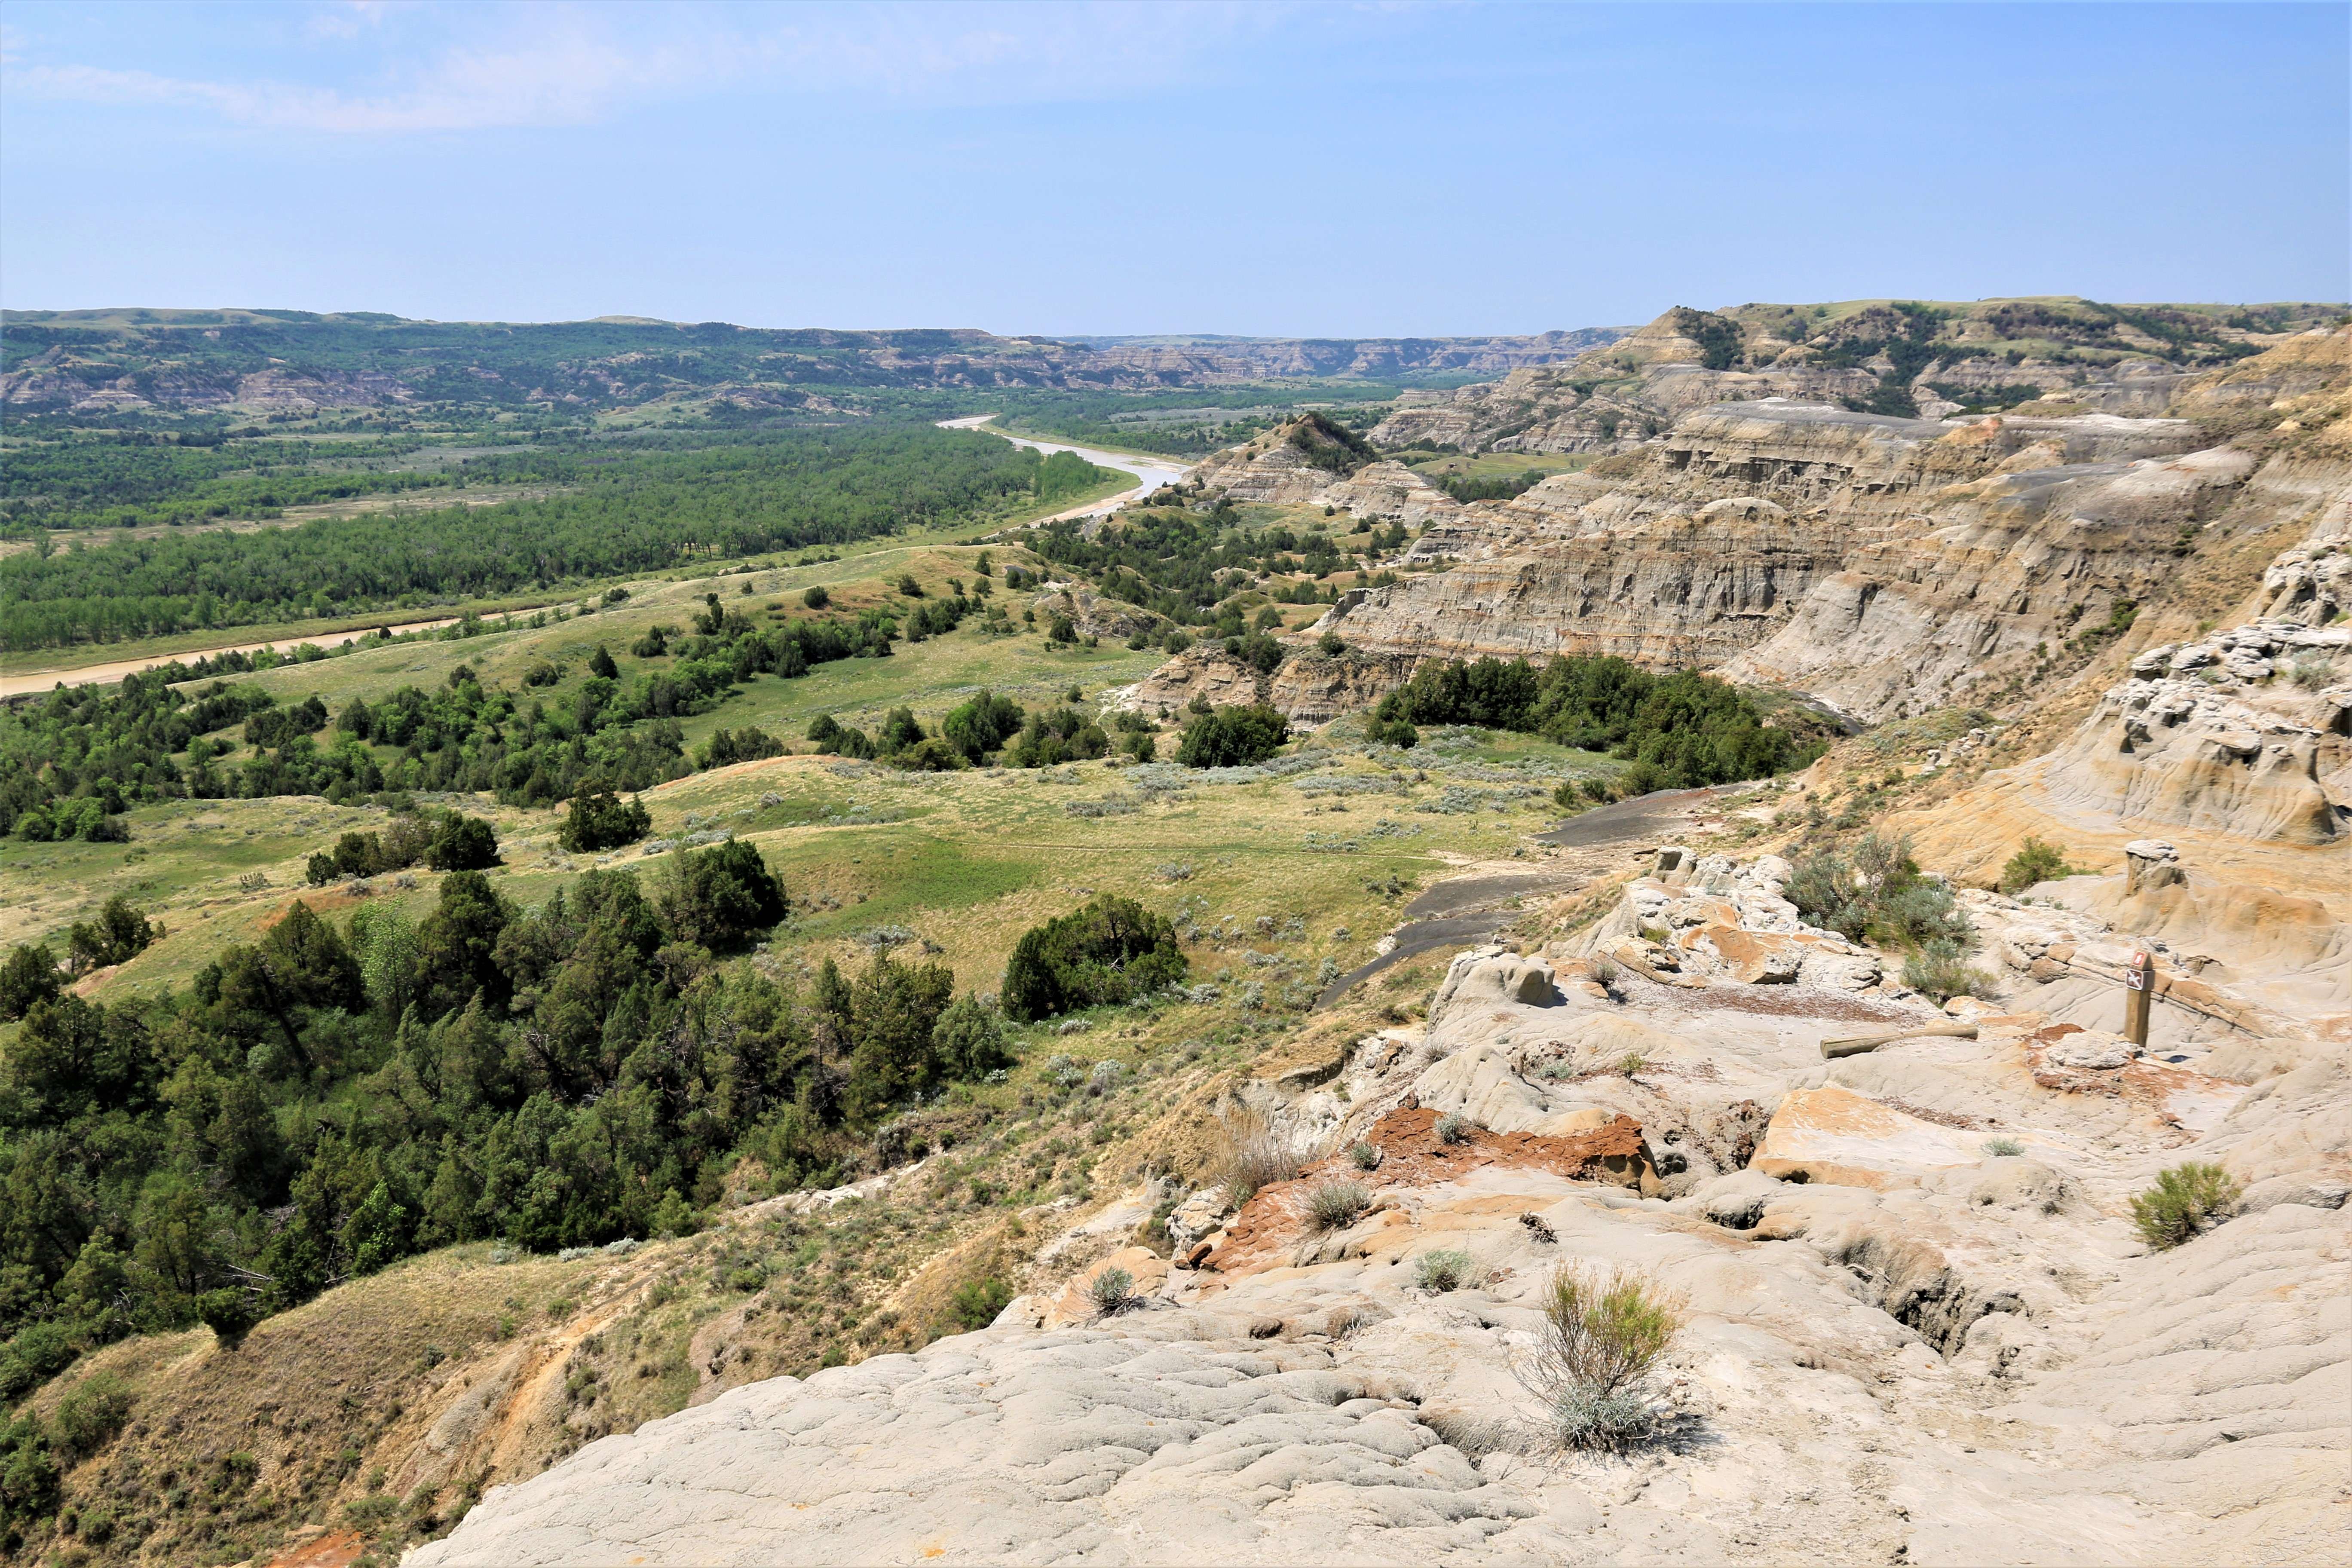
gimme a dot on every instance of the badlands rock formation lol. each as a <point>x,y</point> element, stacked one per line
<point>1996,351</point>
<point>1906,1342</point>
<point>1885,564</point>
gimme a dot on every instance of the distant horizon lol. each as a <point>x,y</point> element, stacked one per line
<point>1278,170</point>
<point>618,318</point>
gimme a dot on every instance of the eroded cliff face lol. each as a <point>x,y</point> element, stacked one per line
<point>1881,563</point>
<point>1890,565</point>
<point>1666,589</point>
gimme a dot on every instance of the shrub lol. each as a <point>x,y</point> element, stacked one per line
<point>1335,1205</point>
<point>1364,1155</point>
<point>1446,1269</point>
<point>1452,1129</point>
<point>981,725</point>
<point>1251,1155</point>
<point>654,643</point>
<point>816,598</point>
<point>29,1476</point>
<point>2034,862</point>
<point>1232,737</point>
<point>1941,969</point>
<point>119,934</point>
<point>90,1414</point>
<point>1391,732</point>
<point>2186,1199</point>
<point>1878,893</point>
<point>2003,1148</point>
<point>1603,1334</point>
<point>1112,1292</point>
<point>1108,952</point>
<point>969,1039</point>
<point>977,1302</point>
<point>598,820</point>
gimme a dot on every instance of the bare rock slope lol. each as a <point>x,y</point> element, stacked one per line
<point>1902,1344</point>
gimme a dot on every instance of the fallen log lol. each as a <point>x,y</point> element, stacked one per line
<point>1856,1045</point>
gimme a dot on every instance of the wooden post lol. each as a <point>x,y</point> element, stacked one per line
<point>2140,981</point>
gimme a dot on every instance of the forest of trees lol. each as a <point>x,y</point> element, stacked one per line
<point>623,512</point>
<point>330,1100</point>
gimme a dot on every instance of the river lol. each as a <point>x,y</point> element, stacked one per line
<point>1150,473</point>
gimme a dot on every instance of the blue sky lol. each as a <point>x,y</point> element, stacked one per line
<point>1335,170</point>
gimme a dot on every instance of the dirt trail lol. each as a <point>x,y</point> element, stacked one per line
<point>33,681</point>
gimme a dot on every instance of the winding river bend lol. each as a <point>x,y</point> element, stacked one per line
<point>1150,473</point>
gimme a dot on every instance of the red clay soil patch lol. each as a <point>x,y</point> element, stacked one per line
<point>1272,1224</point>
<point>338,1549</point>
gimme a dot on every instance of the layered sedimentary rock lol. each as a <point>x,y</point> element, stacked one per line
<point>1290,465</point>
<point>1389,492</point>
<point>2006,563</point>
<point>1666,590</point>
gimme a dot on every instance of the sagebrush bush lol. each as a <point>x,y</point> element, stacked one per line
<point>1446,1269</point>
<point>1251,1155</point>
<point>2186,1199</point>
<point>1940,969</point>
<point>1112,1292</point>
<point>1335,1205</point>
<point>1876,894</point>
<point>1452,1129</point>
<point>1602,1337</point>
<point>1364,1155</point>
<point>2003,1148</point>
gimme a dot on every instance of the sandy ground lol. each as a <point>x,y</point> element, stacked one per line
<point>108,674</point>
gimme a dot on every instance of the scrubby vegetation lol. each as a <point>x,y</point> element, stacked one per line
<point>2034,862</point>
<point>324,1102</point>
<point>1251,1155</point>
<point>1335,1206</point>
<point>1603,1336</point>
<point>1446,1269</point>
<point>2186,1200</point>
<point>1232,737</point>
<point>1877,894</point>
<point>1679,730</point>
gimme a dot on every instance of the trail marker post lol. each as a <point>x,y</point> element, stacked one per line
<point>2139,980</point>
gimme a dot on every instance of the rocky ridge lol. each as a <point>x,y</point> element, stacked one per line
<point>1903,1342</point>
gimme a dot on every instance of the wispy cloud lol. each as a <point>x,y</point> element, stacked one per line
<point>551,65</point>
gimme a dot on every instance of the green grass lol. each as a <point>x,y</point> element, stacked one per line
<point>967,860</point>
